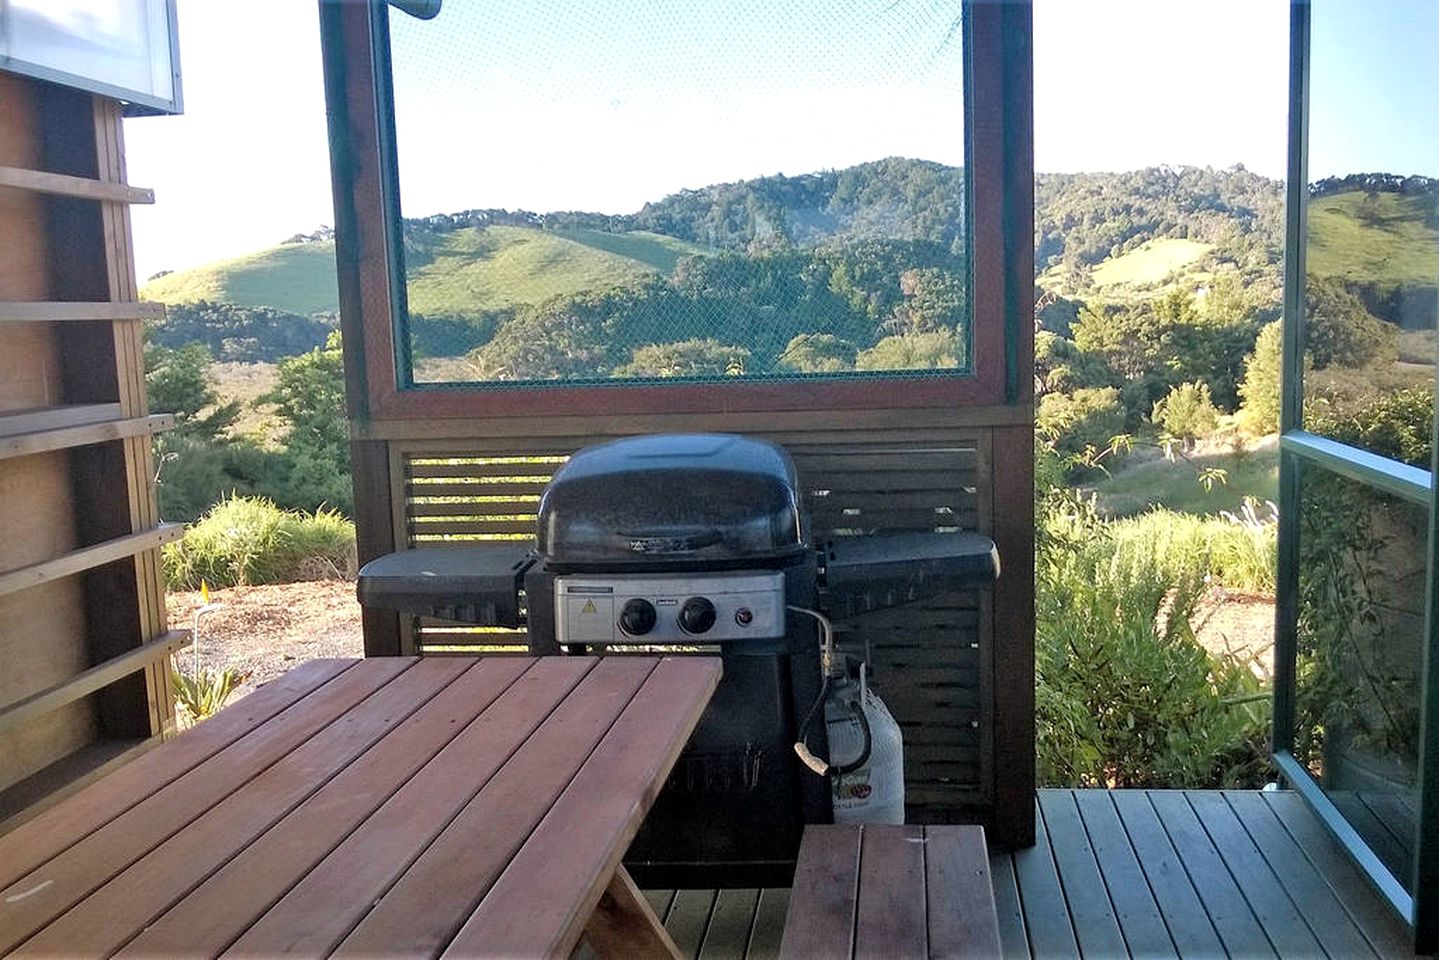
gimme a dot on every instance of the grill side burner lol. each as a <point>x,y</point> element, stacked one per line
<point>693,543</point>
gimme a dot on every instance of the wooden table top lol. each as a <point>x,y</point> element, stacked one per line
<point>391,806</point>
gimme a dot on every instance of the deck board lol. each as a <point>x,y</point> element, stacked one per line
<point>1187,873</point>
<point>1175,897</point>
<point>1090,908</point>
<point>1143,926</point>
<point>1311,894</point>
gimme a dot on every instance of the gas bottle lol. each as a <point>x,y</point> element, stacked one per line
<point>874,791</point>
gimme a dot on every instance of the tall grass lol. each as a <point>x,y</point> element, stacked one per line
<point>1238,551</point>
<point>249,540</point>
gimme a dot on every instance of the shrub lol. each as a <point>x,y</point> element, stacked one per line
<point>1186,413</point>
<point>249,540</point>
<point>1125,696</point>
<point>314,467</point>
<point>1398,425</point>
<point>818,353</point>
<point>1084,420</point>
<point>204,693</point>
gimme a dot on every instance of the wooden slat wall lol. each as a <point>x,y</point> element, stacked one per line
<point>64,488</point>
<point>43,628</point>
<point>928,660</point>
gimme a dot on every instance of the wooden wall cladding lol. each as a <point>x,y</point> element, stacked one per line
<point>931,661</point>
<point>76,505</point>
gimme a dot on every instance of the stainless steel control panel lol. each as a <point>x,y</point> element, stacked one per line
<point>681,609</point>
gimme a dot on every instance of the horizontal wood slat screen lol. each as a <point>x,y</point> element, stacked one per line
<point>927,659</point>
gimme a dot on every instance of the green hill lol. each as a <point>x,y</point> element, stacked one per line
<point>295,277</point>
<point>455,272</point>
<point>495,268</point>
<point>1373,237</point>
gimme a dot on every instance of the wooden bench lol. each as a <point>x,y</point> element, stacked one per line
<point>882,891</point>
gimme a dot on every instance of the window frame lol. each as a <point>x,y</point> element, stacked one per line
<point>364,168</point>
<point>1301,450</point>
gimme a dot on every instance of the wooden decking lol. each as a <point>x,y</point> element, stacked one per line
<point>1165,873</point>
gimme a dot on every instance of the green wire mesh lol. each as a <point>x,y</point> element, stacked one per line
<point>597,191</point>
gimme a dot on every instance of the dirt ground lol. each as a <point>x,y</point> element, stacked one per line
<point>266,630</point>
<point>1237,623</point>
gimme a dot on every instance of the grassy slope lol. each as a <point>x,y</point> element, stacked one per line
<point>1161,483</point>
<point>470,270</point>
<point>501,267</point>
<point>1150,262</point>
<point>299,277</point>
<point>1378,238</point>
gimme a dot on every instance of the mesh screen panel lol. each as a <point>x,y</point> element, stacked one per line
<point>645,191</point>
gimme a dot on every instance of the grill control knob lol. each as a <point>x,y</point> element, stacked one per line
<point>697,615</point>
<point>637,617</point>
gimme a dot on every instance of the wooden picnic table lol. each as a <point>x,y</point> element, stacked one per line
<point>394,806</point>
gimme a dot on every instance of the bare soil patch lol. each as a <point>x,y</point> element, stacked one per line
<point>268,630</point>
<point>1241,624</point>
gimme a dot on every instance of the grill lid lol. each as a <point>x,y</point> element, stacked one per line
<point>672,501</point>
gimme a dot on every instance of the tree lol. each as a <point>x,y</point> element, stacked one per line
<point>686,358</point>
<point>818,353</point>
<point>917,351</point>
<point>1259,393</point>
<point>1339,330</point>
<point>309,396</point>
<point>178,381</point>
<point>1085,421</point>
<point>1187,414</point>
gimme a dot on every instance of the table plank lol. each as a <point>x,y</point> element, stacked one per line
<point>52,832</point>
<point>889,916</point>
<point>825,891</point>
<point>46,892</point>
<point>115,913</point>
<point>959,894</point>
<point>214,914</point>
<point>314,916</point>
<point>539,905</point>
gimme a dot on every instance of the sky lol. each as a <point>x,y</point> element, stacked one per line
<point>605,104</point>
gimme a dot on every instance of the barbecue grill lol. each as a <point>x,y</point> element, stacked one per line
<point>693,543</point>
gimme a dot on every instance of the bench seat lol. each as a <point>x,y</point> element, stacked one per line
<point>891,891</point>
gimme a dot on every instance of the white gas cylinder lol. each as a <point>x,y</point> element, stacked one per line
<point>873,793</point>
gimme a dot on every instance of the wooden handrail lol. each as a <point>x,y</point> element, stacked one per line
<point>87,682</point>
<point>51,311</point>
<point>63,438</point>
<point>21,422</point>
<point>64,185</point>
<point>89,557</point>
